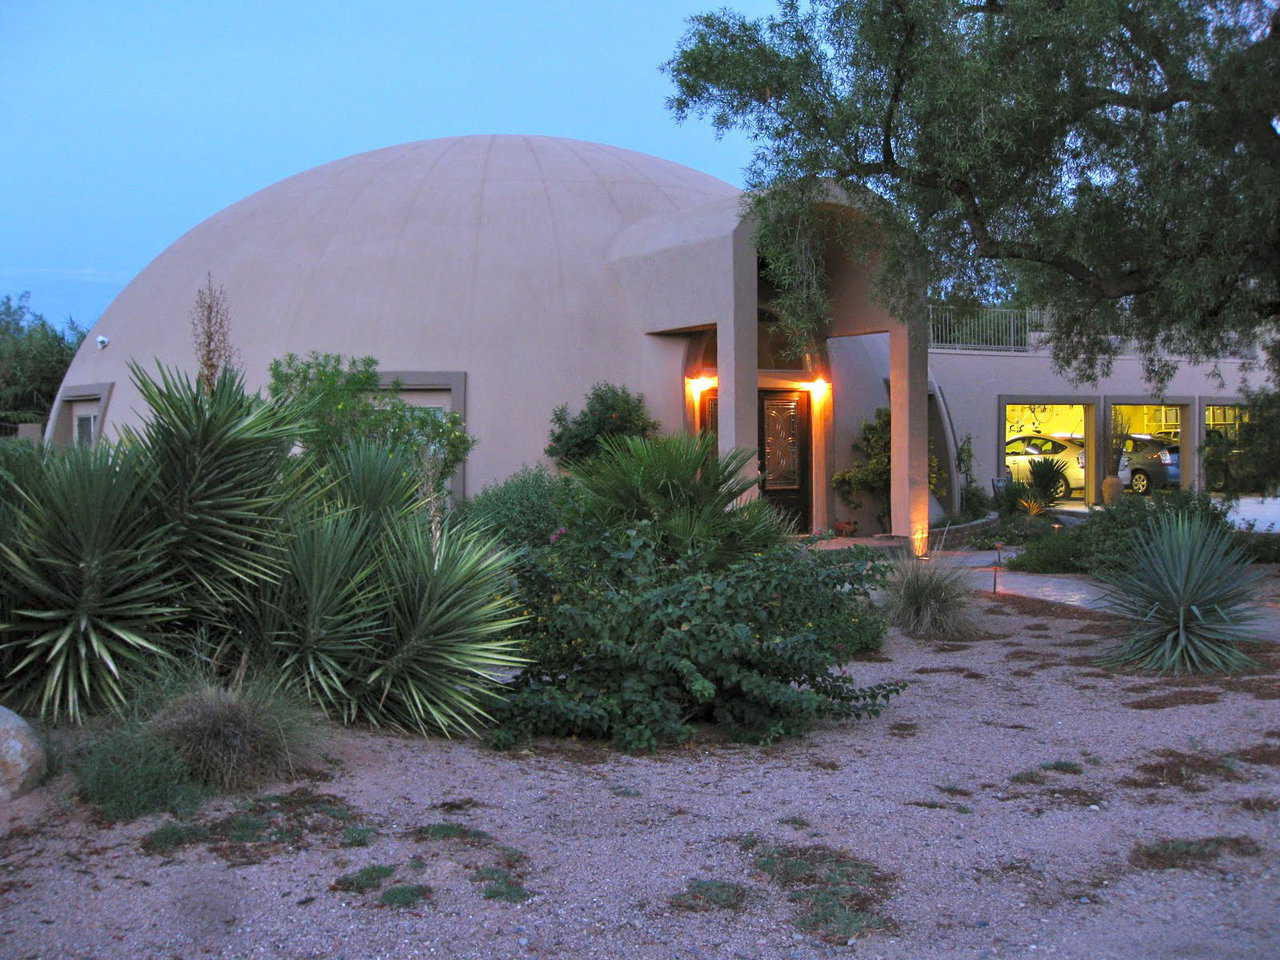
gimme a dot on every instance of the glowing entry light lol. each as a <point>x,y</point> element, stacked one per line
<point>920,542</point>
<point>818,388</point>
<point>697,385</point>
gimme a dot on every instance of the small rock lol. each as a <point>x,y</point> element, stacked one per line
<point>22,758</point>
<point>1094,806</point>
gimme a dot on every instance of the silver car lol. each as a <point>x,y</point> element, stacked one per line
<point>1149,462</point>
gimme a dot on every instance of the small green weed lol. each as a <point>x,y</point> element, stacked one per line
<point>701,895</point>
<point>357,836</point>
<point>1028,776</point>
<point>131,772</point>
<point>501,885</point>
<point>171,836</point>
<point>362,881</point>
<point>800,823</point>
<point>1062,766</point>
<point>510,857</point>
<point>837,894</point>
<point>451,831</point>
<point>404,895</point>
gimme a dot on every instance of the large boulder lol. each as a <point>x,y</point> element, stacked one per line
<point>22,759</point>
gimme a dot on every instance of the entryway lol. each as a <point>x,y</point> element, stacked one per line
<point>786,450</point>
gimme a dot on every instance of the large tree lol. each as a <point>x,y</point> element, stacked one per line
<point>34,356</point>
<point>1117,161</point>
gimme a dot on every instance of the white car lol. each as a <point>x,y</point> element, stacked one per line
<point>1021,450</point>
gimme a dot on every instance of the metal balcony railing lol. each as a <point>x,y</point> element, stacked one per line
<point>985,328</point>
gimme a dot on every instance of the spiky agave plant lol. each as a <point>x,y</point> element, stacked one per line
<point>692,494</point>
<point>221,481</point>
<point>378,481</point>
<point>325,616</point>
<point>450,639</point>
<point>1048,478</point>
<point>1189,595</point>
<point>85,570</point>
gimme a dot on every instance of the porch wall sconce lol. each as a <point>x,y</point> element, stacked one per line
<point>699,385</point>
<point>818,388</point>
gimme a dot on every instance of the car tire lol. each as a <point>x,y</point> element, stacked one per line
<point>1140,483</point>
<point>1061,490</point>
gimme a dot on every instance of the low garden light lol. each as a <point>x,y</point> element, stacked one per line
<point>1057,527</point>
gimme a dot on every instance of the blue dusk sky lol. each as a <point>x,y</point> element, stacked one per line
<point>129,122</point>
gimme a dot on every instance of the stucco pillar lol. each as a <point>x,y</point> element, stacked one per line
<point>736,362</point>
<point>909,437</point>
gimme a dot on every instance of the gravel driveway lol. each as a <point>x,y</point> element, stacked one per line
<point>979,851</point>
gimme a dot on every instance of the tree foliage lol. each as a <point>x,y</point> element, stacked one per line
<point>1117,162</point>
<point>34,356</point>
<point>609,411</point>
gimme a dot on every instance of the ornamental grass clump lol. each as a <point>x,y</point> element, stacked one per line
<point>929,599</point>
<point>1189,597</point>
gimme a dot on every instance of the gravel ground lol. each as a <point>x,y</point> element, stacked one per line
<point>987,868</point>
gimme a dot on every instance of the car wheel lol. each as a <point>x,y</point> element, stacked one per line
<point>1140,484</point>
<point>1060,490</point>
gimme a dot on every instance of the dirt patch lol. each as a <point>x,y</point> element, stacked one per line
<point>958,671</point>
<point>1075,796</point>
<point>1189,854</point>
<point>1180,698</point>
<point>1263,754</point>
<point>1260,804</point>
<point>1260,688</point>
<point>1011,604</point>
<point>903,730</point>
<point>1186,771</point>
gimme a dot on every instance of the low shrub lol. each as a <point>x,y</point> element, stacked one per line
<point>1260,547</point>
<point>691,496</point>
<point>1008,498</point>
<point>1061,552</point>
<point>631,646</point>
<point>975,503</point>
<point>1189,597</point>
<point>230,739</point>
<point>132,771</point>
<point>1013,530</point>
<point>609,411</point>
<point>928,599</point>
<point>1105,537</point>
<point>526,509</point>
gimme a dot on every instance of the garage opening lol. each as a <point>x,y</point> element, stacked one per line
<point>1226,468</point>
<point>1056,431</point>
<point>1144,447</point>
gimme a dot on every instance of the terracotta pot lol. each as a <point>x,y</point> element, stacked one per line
<point>1112,487</point>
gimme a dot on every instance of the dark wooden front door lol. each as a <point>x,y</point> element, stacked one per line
<point>785,450</point>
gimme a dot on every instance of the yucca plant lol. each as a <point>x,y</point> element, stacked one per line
<point>86,576</point>
<point>929,599</point>
<point>450,640</point>
<point>693,496</point>
<point>325,618</point>
<point>221,480</point>
<point>378,481</point>
<point>1189,597</point>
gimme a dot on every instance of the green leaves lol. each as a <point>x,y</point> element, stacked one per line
<point>1190,598</point>
<point>609,411</point>
<point>630,645</point>
<point>88,592</point>
<point>691,495</point>
<point>1115,162</point>
<point>218,460</point>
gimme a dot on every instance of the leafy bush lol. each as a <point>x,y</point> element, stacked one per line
<point>216,460</point>
<point>929,599</point>
<point>1189,597</point>
<point>1105,537</point>
<point>632,646</point>
<point>85,581</point>
<point>230,739</point>
<point>1048,478</point>
<point>692,496</point>
<point>1260,547</point>
<point>870,473</point>
<point>1062,552</point>
<point>609,411</point>
<point>344,399</point>
<point>131,771</point>
<point>975,503</point>
<point>526,509</point>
